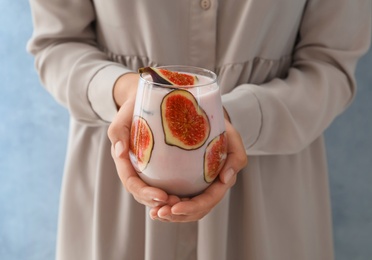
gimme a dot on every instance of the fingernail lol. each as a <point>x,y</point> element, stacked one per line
<point>119,149</point>
<point>153,217</point>
<point>157,200</point>
<point>228,175</point>
<point>168,217</point>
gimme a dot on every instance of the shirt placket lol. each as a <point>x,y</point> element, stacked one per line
<point>202,34</point>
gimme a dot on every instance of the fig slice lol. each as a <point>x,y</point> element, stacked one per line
<point>215,157</point>
<point>185,124</point>
<point>141,143</point>
<point>164,76</point>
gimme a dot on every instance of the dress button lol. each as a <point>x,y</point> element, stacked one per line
<point>205,4</point>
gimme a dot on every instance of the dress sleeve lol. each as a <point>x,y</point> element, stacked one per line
<point>286,115</point>
<point>70,65</point>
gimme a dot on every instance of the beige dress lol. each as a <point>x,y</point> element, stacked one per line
<point>286,70</point>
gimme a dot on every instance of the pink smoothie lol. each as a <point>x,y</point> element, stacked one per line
<point>175,170</point>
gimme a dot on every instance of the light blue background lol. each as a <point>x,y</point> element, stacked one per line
<point>33,135</point>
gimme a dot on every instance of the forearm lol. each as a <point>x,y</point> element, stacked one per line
<point>70,64</point>
<point>285,115</point>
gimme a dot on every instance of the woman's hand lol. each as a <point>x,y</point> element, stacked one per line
<point>125,90</point>
<point>163,206</point>
<point>193,209</point>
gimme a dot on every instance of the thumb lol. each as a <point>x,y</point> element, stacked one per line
<point>236,155</point>
<point>119,130</point>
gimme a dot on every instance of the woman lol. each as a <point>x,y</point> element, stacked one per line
<point>286,70</point>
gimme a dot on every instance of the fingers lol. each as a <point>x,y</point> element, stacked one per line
<point>119,130</point>
<point>143,193</point>
<point>119,135</point>
<point>164,212</point>
<point>197,207</point>
<point>165,207</point>
<point>236,156</point>
<point>207,200</point>
<point>193,209</point>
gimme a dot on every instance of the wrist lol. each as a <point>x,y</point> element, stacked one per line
<point>125,88</point>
